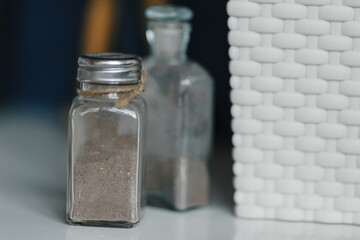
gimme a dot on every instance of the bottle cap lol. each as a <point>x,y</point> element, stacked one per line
<point>109,68</point>
<point>169,13</point>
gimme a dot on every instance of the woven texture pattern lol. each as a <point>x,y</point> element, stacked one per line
<point>295,69</point>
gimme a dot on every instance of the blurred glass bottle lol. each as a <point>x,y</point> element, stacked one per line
<point>179,94</point>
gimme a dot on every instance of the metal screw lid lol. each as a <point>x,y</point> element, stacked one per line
<point>109,68</point>
<point>169,13</point>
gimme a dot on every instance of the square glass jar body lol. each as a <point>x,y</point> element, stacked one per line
<point>179,97</point>
<point>105,168</point>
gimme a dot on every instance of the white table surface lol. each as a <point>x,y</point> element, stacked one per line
<point>33,157</point>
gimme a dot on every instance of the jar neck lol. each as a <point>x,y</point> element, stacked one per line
<point>90,86</point>
<point>168,40</point>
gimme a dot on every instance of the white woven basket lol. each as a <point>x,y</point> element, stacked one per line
<point>295,68</point>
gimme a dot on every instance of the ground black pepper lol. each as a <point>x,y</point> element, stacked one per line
<point>105,180</point>
<point>182,182</point>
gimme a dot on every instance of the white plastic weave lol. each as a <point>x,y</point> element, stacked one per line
<point>295,68</point>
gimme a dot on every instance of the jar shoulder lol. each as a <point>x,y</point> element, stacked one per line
<point>185,72</point>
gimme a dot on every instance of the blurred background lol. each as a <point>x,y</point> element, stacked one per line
<point>41,41</point>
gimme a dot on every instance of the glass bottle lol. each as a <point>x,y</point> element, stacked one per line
<point>105,170</point>
<point>179,96</point>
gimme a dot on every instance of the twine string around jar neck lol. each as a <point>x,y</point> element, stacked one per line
<point>121,102</point>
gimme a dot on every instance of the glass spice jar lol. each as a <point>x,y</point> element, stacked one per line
<point>106,128</point>
<point>179,96</point>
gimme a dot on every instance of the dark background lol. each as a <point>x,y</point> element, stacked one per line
<point>41,40</point>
